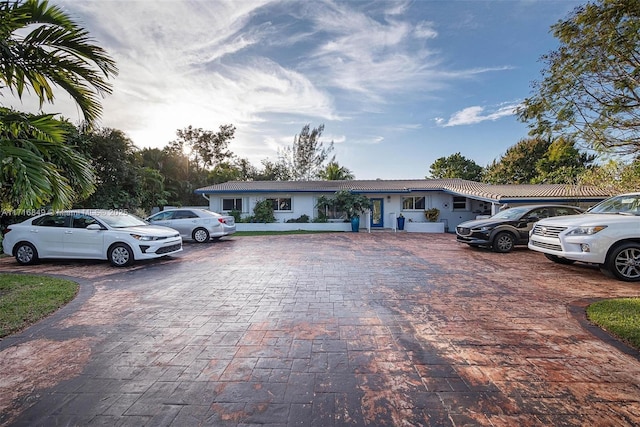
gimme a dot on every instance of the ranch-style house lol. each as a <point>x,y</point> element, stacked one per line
<point>457,200</point>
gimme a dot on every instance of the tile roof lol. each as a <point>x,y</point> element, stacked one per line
<point>497,193</point>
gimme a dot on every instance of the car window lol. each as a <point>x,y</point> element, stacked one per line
<point>511,213</point>
<point>50,220</point>
<point>82,220</point>
<point>560,211</point>
<point>625,203</point>
<point>161,216</point>
<point>539,213</point>
<point>184,215</point>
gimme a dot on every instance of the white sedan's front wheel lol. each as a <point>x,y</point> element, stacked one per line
<point>120,255</point>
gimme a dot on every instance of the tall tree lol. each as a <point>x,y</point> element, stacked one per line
<point>456,166</point>
<point>273,171</point>
<point>306,157</point>
<point>590,88</point>
<point>113,156</point>
<point>238,169</point>
<point>518,164</point>
<point>538,161</point>
<point>334,172</point>
<point>563,163</point>
<point>614,176</point>
<point>40,48</point>
<point>205,148</point>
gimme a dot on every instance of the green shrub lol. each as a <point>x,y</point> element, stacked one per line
<point>302,219</point>
<point>236,214</point>
<point>432,214</point>
<point>263,212</point>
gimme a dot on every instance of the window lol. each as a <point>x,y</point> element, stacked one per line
<point>281,204</point>
<point>184,215</point>
<point>459,203</point>
<point>52,220</point>
<point>82,221</point>
<point>330,212</point>
<point>232,205</point>
<point>413,203</point>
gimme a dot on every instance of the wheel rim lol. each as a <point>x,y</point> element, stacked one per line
<point>504,243</point>
<point>627,263</point>
<point>120,255</point>
<point>24,254</point>
<point>200,235</point>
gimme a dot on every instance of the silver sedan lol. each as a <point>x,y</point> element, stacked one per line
<point>199,225</point>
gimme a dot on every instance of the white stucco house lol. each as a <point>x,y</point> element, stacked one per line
<point>457,200</point>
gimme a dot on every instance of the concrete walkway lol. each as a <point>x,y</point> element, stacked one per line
<point>360,329</point>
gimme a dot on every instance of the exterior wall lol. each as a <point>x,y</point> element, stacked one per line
<point>278,226</point>
<point>304,204</point>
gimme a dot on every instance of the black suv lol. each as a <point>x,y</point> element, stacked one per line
<point>509,227</point>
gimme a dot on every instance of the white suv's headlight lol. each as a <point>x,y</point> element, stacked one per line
<point>586,231</point>
<point>141,237</point>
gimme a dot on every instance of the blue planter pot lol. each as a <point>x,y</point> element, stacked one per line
<point>355,224</point>
<point>400,223</point>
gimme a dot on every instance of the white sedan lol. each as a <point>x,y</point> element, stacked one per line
<point>196,224</point>
<point>89,234</point>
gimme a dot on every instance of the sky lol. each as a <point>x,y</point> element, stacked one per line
<point>397,84</point>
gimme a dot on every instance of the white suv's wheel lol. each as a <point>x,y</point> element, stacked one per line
<point>624,262</point>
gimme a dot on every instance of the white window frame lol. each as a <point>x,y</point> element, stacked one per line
<point>413,203</point>
<point>279,203</point>
<point>242,201</point>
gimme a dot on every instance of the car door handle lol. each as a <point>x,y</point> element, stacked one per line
<point>68,232</point>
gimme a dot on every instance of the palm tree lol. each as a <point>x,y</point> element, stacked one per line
<point>41,47</point>
<point>56,51</point>
<point>37,167</point>
<point>334,172</point>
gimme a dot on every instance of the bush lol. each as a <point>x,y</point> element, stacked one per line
<point>302,219</point>
<point>321,218</point>
<point>263,212</point>
<point>236,214</point>
<point>432,214</point>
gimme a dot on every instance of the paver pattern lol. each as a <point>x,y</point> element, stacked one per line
<point>379,329</point>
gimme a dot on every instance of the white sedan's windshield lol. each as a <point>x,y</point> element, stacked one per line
<point>625,204</point>
<point>121,220</point>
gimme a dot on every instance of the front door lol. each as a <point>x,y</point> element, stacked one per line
<point>377,213</point>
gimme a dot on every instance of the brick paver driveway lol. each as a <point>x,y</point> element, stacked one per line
<point>320,330</point>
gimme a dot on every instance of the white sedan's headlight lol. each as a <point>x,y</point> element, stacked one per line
<point>586,231</point>
<point>142,238</point>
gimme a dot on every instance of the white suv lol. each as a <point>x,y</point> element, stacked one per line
<point>608,234</point>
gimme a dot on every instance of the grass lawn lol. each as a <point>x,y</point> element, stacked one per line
<point>25,299</point>
<point>620,317</point>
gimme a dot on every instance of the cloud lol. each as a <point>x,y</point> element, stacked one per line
<point>476,114</point>
<point>371,57</point>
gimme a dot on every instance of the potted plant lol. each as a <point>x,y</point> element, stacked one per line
<point>432,214</point>
<point>353,205</point>
<point>400,222</point>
